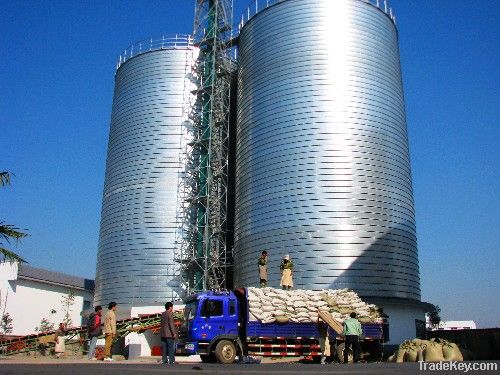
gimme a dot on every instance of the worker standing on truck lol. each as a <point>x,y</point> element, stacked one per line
<point>352,331</point>
<point>286,268</point>
<point>263,269</point>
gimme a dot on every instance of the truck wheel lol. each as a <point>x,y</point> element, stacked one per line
<point>340,353</point>
<point>225,351</point>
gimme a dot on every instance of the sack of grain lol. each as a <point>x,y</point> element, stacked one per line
<point>345,311</point>
<point>364,319</point>
<point>254,300</point>
<point>255,291</point>
<point>299,303</point>
<point>419,342</point>
<point>267,314</point>
<point>277,302</point>
<point>255,310</point>
<point>433,352</point>
<point>302,315</point>
<point>451,352</point>
<point>400,356</point>
<point>411,355</point>
<point>282,319</point>
<point>269,320</point>
<point>268,308</point>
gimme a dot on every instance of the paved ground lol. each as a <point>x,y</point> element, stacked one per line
<point>144,368</point>
<point>83,367</point>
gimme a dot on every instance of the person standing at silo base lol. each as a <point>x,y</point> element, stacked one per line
<point>352,331</point>
<point>286,268</point>
<point>263,269</point>
<point>109,330</point>
<point>94,330</point>
<point>168,334</point>
<point>60,348</point>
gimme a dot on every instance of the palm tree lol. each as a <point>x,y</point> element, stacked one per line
<point>9,232</point>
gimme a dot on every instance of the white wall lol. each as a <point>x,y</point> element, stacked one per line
<point>402,322</point>
<point>33,300</point>
<point>8,277</point>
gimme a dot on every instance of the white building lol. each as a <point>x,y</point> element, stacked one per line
<point>451,325</point>
<point>457,324</point>
<point>31,294</point>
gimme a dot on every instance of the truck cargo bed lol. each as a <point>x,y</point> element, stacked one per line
<point>298,330</point>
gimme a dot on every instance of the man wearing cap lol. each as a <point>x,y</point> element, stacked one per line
<point>263,269</point>
<point>286,268</point>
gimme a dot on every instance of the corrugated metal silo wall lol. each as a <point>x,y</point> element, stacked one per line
<point>135,262</point>
<point>323,169</point>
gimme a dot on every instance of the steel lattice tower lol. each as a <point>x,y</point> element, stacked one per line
<point>203,250</point>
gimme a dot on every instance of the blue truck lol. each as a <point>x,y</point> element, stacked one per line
<point>216,326</point>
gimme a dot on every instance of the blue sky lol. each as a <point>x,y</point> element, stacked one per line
<point>57,72</point>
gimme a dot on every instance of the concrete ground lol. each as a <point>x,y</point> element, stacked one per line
<point>82,367</point>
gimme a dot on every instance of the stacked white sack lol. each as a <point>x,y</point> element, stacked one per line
<point>266,304</point>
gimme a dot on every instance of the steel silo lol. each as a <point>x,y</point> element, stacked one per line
<point>322,160</point>
<point>135,261</point>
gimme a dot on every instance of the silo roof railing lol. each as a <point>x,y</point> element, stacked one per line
<point>258,5</point>
<point>175,41</point>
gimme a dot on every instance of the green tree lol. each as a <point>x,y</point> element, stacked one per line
<point>5,318</point>
<point>9,232</point>
<point>45,326</point>
<point>6,324</point>
<point>434,317</point>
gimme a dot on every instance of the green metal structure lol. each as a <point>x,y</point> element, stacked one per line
<point>204,255</point>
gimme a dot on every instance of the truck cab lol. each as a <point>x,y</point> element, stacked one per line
<point>211,326</point>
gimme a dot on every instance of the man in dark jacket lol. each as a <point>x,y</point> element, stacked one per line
<point>168,334</point>
<point>94,330</point>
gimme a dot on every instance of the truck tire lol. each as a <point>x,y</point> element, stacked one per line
<point>340,353</point>
<point>208,358</point>
<point>225,351</point>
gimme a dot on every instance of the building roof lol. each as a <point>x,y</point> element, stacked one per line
<point>50,277</point>
<point>457,324</point>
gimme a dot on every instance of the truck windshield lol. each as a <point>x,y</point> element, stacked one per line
<point>190,310</point>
